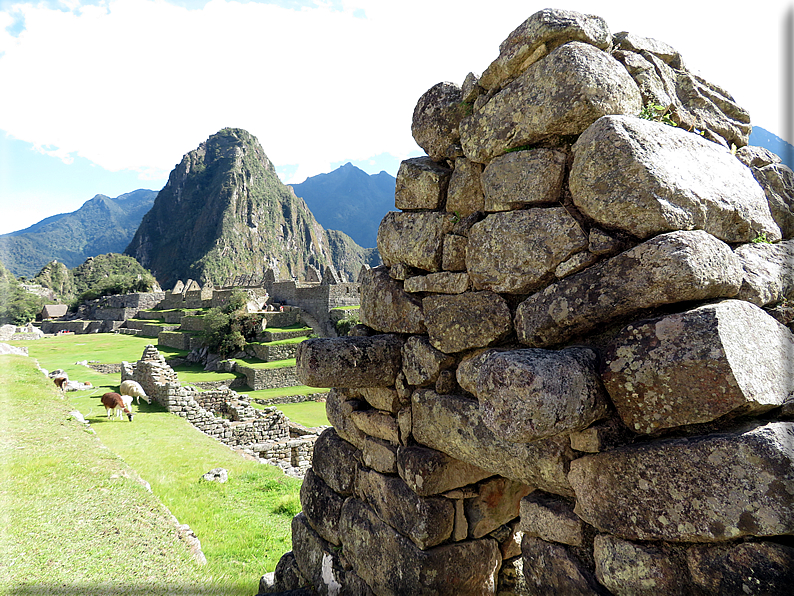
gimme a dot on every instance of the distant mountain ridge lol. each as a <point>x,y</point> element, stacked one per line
<point>101,225</point>
<point>350,200</point>
<point>224,213</point>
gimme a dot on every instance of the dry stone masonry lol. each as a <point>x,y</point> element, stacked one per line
<point>225,415</point>
<point>575,374</point>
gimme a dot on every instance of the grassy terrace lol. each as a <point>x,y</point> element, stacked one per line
<point>255,363</point>
<point>73,515</point>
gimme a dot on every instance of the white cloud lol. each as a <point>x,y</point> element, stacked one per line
<point>134,84</point>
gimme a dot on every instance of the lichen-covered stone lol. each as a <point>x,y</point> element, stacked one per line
<point>414,238</point>
<point>422,362</point>
<point>377,424</point>
<point>339,409</point>
<point>754,568</point>
<point>453,424</point>
<point>647,178</point>
<point>335,461</point>
<point>542,32</point>
<point>382,398</point>
<point>561,94</point>
<point>632,569</point>
<point>314,556</point>
<point>636,43</point>
<point>768,272</point>
<point>454,253</point>
<point>392,565</point>
<point>321,506</point>
<point>465,195</point>
<point>777,180</point>
<point>427,521</point>
<point>349,361</point>
<point>696,366</point>
<point>520,178</point>
<point>530,394</point>
<point>443,282</point>
<point>380,455</point>
<point>517,251</point>
<point>463,321</point>
<point>386,307</point>
<point>497,502</point>
<point>436,119</point>
<point>551,568</point>
<point>670,268</point>
<point>551,519</point>
<point>702,489</point>
<point>430,472</point>
<point>421,184</point>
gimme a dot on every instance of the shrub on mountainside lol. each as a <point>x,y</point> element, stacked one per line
<point>17,306</point>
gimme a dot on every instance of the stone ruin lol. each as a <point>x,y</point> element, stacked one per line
<point>225,415</point>
<point>576,372</point>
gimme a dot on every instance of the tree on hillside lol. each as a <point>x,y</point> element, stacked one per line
<point>229,327</point>
<point>17,306</point>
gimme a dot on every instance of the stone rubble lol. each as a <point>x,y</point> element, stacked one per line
<point>600,401</point>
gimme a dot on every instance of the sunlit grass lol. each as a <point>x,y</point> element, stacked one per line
<point>243,525</point>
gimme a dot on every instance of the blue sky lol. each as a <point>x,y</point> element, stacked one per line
<point>106,96</point>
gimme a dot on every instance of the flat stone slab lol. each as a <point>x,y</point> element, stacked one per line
<point>453,424</point>
<point>670,268</point>
<point>516,252</point>
<point>705,489</point>
<point>647,178</point>
<point>392,565</point>
<point>561,94</point>
<point>693,367</point>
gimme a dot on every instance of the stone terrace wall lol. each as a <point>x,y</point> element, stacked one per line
<point>573,381</point>
<point>221,414</point>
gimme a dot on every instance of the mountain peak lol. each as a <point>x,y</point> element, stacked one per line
<point>224,212</point>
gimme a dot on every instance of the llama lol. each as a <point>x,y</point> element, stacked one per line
<point>115,402</point>
<point>134,389</point>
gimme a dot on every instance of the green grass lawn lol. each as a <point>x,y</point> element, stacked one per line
<point>293,327</point>
<point>243,525</point>
<point>73,517</point>
<point>307,413</point>
<point>256,363</point>
<point>195,373</point>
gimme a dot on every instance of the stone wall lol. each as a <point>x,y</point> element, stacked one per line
<point>268,353</point>
<point>573,380</point>
<point>222,414</point>
<point>268,378</point>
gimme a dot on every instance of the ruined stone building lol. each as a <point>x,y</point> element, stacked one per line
<point>575,375</point>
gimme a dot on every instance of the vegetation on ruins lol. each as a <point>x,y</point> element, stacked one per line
<point>343,326</point>
<point>657,113</point>
<point>229,327</point>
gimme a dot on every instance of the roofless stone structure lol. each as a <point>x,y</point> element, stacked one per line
<point>577,375</point>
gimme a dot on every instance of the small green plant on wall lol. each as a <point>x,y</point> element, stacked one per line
<point>657,113</point>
